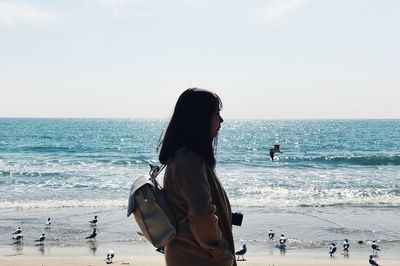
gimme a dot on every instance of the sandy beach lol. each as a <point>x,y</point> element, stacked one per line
<point>158,261</point>
<point>304,257</point>
<point>69,248</point>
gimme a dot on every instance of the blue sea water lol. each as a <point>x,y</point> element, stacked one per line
<point>330,175</point>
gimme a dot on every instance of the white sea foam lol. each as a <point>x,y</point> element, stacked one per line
<point>48,204</point>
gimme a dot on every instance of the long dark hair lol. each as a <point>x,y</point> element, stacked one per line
<point>190,125</point>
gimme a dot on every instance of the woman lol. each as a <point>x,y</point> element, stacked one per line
<point>192,188</point>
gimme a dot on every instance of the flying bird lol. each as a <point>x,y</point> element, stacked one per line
<point>241,252</point>
<point>272,152</point>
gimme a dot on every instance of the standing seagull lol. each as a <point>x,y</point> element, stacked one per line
<point>271,234</point>
<point>94,221</point>
<point>332,249</point>
<point>18,238</point>
<point>110,256</point>
<point>282,241</point>
<point>41,239</point>
<point>372,260</point>
<point>346,246</point>
<point>17,231</point>
<point>375,247</point>
<point>241,252</point>
<point>161,250</point>
<point>48,223</point>
<point>92,236</point>
<point>274,150</point>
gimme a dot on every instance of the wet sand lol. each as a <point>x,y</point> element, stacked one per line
<point>158,261</point>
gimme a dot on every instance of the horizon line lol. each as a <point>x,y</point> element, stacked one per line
<point>166,118</point>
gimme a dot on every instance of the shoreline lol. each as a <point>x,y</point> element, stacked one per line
<point>98,248</point>
<point>159,260</point>
<point>309,231</point>
<point>137,255</point>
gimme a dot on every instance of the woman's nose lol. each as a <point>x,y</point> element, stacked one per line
<point>220,119</point>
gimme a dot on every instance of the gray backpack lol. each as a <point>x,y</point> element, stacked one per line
<point>151,211</point>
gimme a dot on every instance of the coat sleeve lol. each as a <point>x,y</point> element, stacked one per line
<point>191,180</point>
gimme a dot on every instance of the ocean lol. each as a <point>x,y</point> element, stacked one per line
<point>334,179</point>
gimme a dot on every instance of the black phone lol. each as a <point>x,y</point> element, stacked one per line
<point>237,218</point>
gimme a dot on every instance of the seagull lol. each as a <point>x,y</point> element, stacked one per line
<point>41,239</point>
<point>375,247</point>
<point>282,241</point>
<point>346,246</point>
<point>110,256</point>
<point>271,234</point>
<point>18,231</point>
<point>241,252</point>
<point>161,250</point>
<point>372,260</point>
<point>274,150</point>
<point>92,236</point>
<point>332,249</point>
<point>94,221</point>
<point>18,238</point>
<point>48,223</point>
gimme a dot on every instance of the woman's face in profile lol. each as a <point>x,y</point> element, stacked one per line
<point>216,121</point>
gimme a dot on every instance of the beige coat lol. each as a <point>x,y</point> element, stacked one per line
<point>194,191</point>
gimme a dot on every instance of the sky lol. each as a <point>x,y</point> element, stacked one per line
<point>266,59</point>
